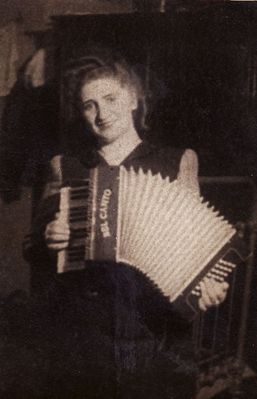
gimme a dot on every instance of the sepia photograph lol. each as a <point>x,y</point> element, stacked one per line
<point>128,199</point>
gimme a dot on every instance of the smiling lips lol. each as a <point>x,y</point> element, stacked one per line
<point>105,124</point>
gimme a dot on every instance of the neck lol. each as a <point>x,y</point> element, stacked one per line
<point>114,153</point>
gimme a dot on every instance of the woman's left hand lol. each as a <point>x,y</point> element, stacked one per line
<point>213,293</point>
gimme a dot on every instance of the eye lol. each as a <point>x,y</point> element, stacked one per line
<point>88,106</point>
<point>111,98</point>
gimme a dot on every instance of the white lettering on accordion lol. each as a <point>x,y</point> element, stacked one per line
<point>103,213</point>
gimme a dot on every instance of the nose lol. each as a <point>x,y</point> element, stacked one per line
<point>102,113</point>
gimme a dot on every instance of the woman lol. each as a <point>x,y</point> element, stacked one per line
<point>118,337</point>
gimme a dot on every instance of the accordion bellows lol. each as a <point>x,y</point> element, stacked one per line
<point>159,227</point>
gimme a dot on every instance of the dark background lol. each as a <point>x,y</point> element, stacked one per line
<point>198,65</point>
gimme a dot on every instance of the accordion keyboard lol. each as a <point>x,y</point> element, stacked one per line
<point>75,209</point>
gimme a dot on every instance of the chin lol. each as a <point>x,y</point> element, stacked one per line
<point>108,138</point>
<point>103,140</point>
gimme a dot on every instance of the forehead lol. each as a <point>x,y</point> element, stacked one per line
<point>102,87</point>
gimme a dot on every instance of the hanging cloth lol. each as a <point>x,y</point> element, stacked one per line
<point>8,57</point>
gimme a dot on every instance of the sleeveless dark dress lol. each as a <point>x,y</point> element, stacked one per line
<point>106,332</point>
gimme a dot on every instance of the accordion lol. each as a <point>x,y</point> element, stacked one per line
<point>159,227</point>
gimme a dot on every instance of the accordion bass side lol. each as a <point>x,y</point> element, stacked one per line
<point>159,227</point>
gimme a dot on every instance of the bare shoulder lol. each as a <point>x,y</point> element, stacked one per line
<point>189,162</point>
<point>53,176</point>
<point>190,157</point>
<point>55,165</point>
<point>188,170</point>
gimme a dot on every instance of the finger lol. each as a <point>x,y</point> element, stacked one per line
<point>52,231</point>
<point>56,234</point>
<point>205,298</point>
<point>214,290</point>
<point>57,246</point>
<point>223,291</point>
<point>57,238</point>
<point>217,288</point>
<point>225,286</point>
<point>201,305</point>
<point>222,298</point>
<point>217,291</point>
<point>211,287</point>
<point>57,224</point>
<point>209,295</point>
<point>56,228</point>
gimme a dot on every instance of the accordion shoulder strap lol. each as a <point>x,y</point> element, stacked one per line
<point>73,169</point>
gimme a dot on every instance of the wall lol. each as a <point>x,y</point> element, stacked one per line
<point>36,13</point>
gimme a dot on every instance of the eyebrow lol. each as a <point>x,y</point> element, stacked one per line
<point>110,94</point>
<point>87,101</point>
<point>105,96</point>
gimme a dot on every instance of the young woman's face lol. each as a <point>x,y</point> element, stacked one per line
<point>107,108</point>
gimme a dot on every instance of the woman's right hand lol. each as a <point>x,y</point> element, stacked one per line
<point>57,234</point>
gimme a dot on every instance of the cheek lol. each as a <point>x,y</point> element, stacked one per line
<point>89,118</point>
<point>119,109</point>
<point>124,107</point>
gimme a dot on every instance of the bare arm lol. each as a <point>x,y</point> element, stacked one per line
<point>188,171</point>
<point>212,292</point>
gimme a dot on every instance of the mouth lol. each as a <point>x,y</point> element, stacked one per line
<point>105,124</point>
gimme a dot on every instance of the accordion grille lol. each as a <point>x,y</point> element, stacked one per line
<point>166,231</point>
